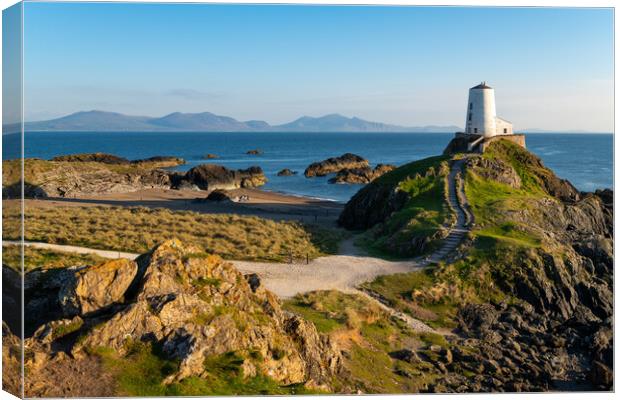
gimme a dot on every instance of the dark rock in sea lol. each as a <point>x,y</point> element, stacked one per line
<point>287,172</point>
<point>361,175</point>
<point>335,164</point>
<point>254,152</point>
<point>210,156</point>
<point>212,176</point>
<point>161,161</point>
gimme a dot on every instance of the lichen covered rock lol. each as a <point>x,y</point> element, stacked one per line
<point>197,306</point>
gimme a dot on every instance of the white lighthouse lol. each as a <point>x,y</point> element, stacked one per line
<point>482,125</point>
<point>481,116</point>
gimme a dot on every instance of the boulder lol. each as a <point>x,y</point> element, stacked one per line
<point>219,195</point>
<point>212,177</point>
<point>96,287</point>
<point>254,152</point>
<point>335,164</point>
<point>210,156</point>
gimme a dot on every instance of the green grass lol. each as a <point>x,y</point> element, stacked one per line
<point>142,371</point>
<point>398,290</point>
<point>369,336</point>
<point>424,213</point>
<point>138,229</point>
<point>35,258</point>
<point>63,330</point>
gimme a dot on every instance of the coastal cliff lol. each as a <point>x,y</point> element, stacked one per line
<point>528,294</point>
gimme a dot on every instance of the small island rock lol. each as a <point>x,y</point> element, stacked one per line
<point>286,172</point>
<point>254,152</point>
<point>335,164</point>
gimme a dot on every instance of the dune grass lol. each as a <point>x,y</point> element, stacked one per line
<point>138,229</point>
<point>34,258</point>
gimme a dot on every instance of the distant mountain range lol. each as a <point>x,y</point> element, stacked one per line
<point>103,121</point>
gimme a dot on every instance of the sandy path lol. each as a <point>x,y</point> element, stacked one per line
<point>339,272</point>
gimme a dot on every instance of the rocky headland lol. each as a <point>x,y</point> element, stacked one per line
<point>528,295</point>
<point>99,173</point>
<point>74,176</point>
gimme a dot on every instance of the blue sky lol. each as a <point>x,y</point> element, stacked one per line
<point>551,68</point>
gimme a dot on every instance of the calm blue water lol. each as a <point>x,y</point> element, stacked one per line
<point>296,150</point>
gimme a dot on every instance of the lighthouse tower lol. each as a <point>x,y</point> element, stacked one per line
<point>481,113</point>
<point>481,117</point>
<point>482,125</point>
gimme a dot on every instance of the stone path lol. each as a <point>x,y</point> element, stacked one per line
<point>464,218</point>
<point>344,272</point>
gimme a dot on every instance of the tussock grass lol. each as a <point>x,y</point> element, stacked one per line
<point>34,258</point>
<point>138,229</point>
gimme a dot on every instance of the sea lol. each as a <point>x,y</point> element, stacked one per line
<point>586,160</point>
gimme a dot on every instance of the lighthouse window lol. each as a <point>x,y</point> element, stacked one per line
<point>471,105</point>
<point>470,116</point>
<point>505,130</point>
<point>475,130</point>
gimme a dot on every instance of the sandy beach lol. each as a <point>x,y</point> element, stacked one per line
<point>271,205</point>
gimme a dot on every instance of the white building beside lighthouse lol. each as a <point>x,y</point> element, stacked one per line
<point>482,125</point>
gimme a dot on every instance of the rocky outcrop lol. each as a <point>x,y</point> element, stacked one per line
<point>375,202</point>
<point>361,175</point>
<point>110,174</point>
<point>104,158</point>
<point>254,152</point>
<point>91,289</point>
<point>214,177</point>
<point>335,164</point>
<point>496,170</point>
<point>193,305</point>
<point>76,183</point>
<point>92,157</point>
<point>210,156</point>
<point>286,172</point>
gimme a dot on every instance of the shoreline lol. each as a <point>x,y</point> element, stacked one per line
<point>260,203</point>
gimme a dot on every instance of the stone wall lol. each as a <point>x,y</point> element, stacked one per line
<point>517,138</point>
